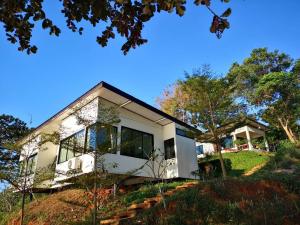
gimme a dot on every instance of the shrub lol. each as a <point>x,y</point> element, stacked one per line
<point>286,154</point>
<point>212,168</point>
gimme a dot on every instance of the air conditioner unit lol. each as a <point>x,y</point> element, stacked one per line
<point>74,164</point>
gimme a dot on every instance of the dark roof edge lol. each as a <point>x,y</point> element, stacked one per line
<point>122,93</point>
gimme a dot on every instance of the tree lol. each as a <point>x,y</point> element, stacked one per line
<point>11,129</point>
<point>172,102</point>
<point>210,105</point>
<point>158,166</point>
<point>269,82</point>
<point>125,17</point>
<point>17,164</point>
<point>102,141</point>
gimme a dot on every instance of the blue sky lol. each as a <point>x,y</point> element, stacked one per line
<point>39,85</point>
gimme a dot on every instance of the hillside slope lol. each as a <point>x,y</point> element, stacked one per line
<point>261,198</point>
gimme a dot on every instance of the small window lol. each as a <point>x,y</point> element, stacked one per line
<point>136,143</point>
<point>32,163</point>
<point>199,149</point>
<point>71,147</point>
<point>169,148</point>
<point>101,137</point>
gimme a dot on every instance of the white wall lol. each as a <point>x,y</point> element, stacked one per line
<point>30,147</point>
<point>186,155</point>
<point>70,124</point>
<point>208,148</point>
<point>47,155</point>
<point>168,133</point>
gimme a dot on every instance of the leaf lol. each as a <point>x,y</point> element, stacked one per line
<point>33,49</point>
<point>147,10</point>
<point>226,13</point>
<point>180,10</point>
<point>202,2</point>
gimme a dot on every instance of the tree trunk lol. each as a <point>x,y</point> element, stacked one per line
<point>24,193</point>
<point>95,190</point>
<point>218,146</point>
<point>23,207</point>
<point>288,131</point>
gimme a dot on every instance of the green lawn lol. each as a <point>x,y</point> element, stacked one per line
<point>242,162</point>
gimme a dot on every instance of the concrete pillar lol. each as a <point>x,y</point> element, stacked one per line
<point>250,147</point>
<point>266,143</point>
<point>234,139</point>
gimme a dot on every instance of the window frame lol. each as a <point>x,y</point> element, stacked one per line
<point>200,147</point>
<point>86,138</point>
<point>69,137</point>
<point>141,133</point>
<point>165,142</point>
<point>24,169</point>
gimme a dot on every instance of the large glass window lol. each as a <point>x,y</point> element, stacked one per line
<point>169,148</point>
<point>136,143</point>
<point>71,147</point>
<point>102,138</point>
<point>30,166</point>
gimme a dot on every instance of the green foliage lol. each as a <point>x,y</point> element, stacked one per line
<point>123,17</point>
<point>139,195</point>
<point>11,130</point>
<point>287,155</point>
<point>210,104</point>
<point>215,166</point>
<point>269,81</point>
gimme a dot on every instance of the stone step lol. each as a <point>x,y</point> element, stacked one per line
<point>110,222</point>
<point>126,215</point>
<point>140,206</point>
<point>153,200</point>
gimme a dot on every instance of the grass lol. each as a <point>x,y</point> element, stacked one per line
<point>242,162</point>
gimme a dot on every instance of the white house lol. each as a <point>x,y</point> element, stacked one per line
<point>146,127</point>
<point>247,131</point>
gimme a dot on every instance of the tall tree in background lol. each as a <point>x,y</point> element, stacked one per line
<point>11,129</point>
<point>208,104</point>
<point>172,102</point>
<point>270,82</point>
<point>17,160</point>
<point>125,17</point>
<point>211,105</point>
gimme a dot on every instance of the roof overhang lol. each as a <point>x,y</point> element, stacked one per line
<point>231,126</point>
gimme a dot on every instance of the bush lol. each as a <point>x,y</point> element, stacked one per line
<point>212,168</point>
<point>287,153</point>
